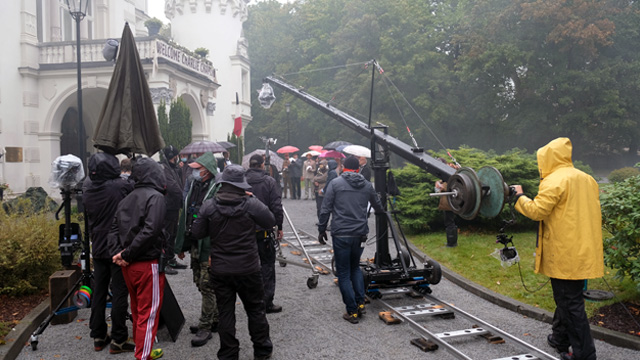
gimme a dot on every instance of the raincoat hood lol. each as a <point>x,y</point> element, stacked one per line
<point>232,201</point>
<point>102,167</point>
<point>209,162</point>
<point>554,155</point>
<point>148,173</point>
<point>333,165</point>
<point>354,179</point>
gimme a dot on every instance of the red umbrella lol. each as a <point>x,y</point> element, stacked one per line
<point>332,154</point>
<point>317,148</point>
<point>287,149</point>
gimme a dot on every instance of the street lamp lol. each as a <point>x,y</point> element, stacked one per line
<point>78,10</point>
<point>288,107</point>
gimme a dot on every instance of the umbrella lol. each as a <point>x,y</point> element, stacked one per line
<point>358,150</point>
<point>199,147</point>
<point>287,149</point>
<point>312,152</point>
<point>226,144</point>
<point>341,147</point>
<point>127,121</point>
<point>332,154</point>
<point>317,148</point>
<point>274,159</point>
<point>334,144</point>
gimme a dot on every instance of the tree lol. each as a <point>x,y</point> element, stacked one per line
<point>236,153</point>
<point>163,121</point>
<point>178,131</point>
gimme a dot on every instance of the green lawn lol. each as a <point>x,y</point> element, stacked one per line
<point>472,259</point>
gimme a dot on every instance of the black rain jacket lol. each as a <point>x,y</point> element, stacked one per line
<point>174,187</point>
<point>138,225</point>
<point>264,187</point>
<point>103,189</point>
<point>230,219</point>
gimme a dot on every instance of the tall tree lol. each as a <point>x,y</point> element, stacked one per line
<point>180,125</point>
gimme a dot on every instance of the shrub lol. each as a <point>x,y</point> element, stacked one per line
<point>619,175</point>
<point>620,216</point>
<point>419,211</point>
<point>29,243</point>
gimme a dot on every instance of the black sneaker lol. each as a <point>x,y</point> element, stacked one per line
<point>170,271</point>
<point>177,265</point>
<point>351,317</point>
<point>566,356</point>
<point>100,343</point>
<point>274,309</point>
<point>560,348</point>
<point>201,338</point>
<point>125,346</point>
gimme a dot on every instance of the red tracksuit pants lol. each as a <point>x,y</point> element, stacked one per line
<point>146,289</point>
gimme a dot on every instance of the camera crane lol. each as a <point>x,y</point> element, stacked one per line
<point>469,193</point>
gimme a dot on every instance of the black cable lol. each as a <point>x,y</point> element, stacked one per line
<point>525,286</point>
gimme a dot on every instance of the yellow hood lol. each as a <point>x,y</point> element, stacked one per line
<point>554,155</point>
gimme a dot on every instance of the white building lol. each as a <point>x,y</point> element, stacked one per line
<point>38,74</point>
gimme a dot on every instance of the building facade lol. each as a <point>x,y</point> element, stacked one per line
<point>38,75</point>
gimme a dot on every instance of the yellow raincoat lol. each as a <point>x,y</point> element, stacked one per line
<point>569,244</point>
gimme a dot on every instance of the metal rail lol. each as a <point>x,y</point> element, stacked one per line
<point>409,313</point>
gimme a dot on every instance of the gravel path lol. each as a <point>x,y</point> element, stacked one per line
<point>311,327</point>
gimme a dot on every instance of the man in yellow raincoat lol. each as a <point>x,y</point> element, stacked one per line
<point>569,244</point>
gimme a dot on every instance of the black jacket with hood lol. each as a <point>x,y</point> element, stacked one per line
<point>174,186</point>
<point>137,227</point>
<point>346,198</point>
<point>103,189</point>
<point>230,219</point>
<point>264,187</point>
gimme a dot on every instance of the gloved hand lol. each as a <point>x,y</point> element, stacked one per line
<point>322,237</point>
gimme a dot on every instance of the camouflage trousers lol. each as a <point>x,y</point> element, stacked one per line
<point>201,277</point>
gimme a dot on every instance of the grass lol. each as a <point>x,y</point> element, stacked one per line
<point>472,259</point>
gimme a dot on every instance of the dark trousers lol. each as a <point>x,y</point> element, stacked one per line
<point>451,228</point>
<point>249,288</point>
<point>295,188</point>
<point>570,322</point>
<point>171,226</point>
<point>286,187</point>
<point>347,251</point>
<point>267,267</point>
<point>319,199</point>
<point>105,271</point>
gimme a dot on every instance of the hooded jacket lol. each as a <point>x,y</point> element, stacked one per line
<point>174,186</point>
<point>332,174</point>
<point>139,219</point>
<point>346,199</point>
<point>264,187</point>
<point>230,220</point>
<point>103,189</point>
<point>183,243</point>
<point>569,244</point>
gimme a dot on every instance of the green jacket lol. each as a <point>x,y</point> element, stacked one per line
<point>182,243</point>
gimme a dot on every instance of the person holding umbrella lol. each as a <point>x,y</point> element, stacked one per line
<point>309,173</point>
<point>295,173</point>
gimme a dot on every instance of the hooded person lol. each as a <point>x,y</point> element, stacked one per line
<point>103,190</point>
<point>332,174</point>
<point>136,241</point>
<point>230,220</point>
<point>174,204</point>
<point>264,187</point>
<point>346,199</point>
<point>569,244</point>
<point>203,187</point>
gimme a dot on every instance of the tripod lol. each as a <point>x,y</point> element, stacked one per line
<point>70,239</point>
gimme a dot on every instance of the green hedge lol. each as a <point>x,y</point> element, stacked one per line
<point>29,243</point>
<point>419,211</point>
<point>622,174</point>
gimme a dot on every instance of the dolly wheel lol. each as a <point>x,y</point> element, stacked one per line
<point>312,282</point>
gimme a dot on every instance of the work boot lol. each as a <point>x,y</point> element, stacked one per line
<point>361,310</point>
<point>168,270</point>
<point>273,309</point>
<point>560,348</point>
<point>452,237</point>
<point>351,317</point>
<point>201,338</point>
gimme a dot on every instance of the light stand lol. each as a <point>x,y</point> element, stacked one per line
<point>288,107</point>
<point>78,10</point>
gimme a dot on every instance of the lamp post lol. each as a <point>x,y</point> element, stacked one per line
<point>78,10</point>
<point>288,107</point>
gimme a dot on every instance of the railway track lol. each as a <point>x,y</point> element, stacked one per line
<point>440,325</point>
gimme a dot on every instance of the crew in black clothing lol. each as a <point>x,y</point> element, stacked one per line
<point>266,190</point>
<point>230,219</point>
<point>173,199</point>
<point>103,189</point>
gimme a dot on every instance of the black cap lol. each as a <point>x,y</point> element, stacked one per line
<point>256,160</point>
<point>234,175</point>
<point>351,163</point>
<point>170,152</point>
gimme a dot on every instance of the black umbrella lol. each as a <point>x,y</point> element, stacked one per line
<point>226,144</point>
<point>334,145</point>
<point>127,122</point>
<point>200,147</point>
